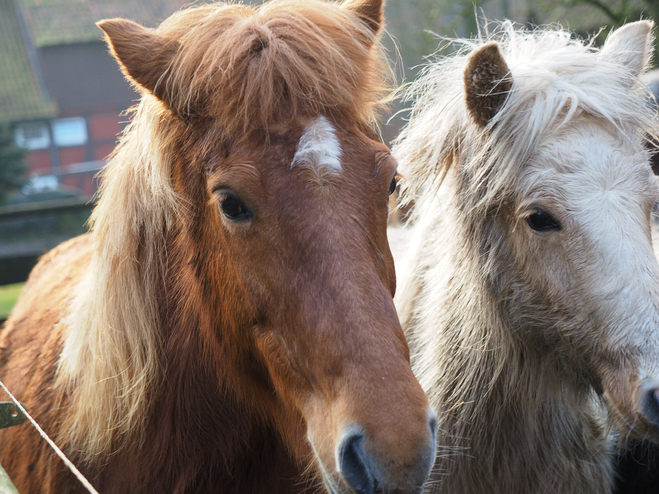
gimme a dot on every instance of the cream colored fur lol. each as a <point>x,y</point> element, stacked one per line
<point>109,363</point>
<point>532,345</point>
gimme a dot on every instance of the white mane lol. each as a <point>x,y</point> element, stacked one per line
<point>556,78</point>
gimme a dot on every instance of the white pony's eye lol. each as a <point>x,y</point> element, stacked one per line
<point>542,221</point>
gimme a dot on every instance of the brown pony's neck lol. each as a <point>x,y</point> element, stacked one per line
<point>515,421</point>
<point>200,436</point>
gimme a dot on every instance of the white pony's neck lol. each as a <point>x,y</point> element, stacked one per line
<point>509,414</point>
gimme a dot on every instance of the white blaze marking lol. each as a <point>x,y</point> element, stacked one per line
<point>319,147</point>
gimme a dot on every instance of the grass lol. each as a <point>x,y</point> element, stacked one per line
<point>8,296</point>
<point>6,487</point>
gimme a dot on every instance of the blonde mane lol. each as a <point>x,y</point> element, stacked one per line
<point>247,69</point>
<point>257,67</point>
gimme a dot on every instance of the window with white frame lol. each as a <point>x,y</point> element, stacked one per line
<point>69,131</point>
<point>32,135</point>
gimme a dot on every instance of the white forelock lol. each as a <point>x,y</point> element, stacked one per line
<point>555,79</point>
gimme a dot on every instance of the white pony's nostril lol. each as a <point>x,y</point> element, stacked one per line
<point>650,406</point>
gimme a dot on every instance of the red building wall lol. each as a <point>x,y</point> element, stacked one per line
<point>86,82</point>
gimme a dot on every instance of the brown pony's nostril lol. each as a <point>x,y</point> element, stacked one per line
<point>353,467</point>
<point>365,473</point>
<point>651,406</point>
<point>432,423</point>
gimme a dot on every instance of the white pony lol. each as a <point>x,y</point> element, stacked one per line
<point>529,288</point>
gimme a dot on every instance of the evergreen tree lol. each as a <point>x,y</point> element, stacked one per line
<point>12,166</point>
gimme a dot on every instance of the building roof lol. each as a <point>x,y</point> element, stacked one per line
<point>22,94</point>
<point>29,25</point>
<point>56,22</point>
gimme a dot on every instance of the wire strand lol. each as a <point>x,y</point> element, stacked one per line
<point>66,461</point>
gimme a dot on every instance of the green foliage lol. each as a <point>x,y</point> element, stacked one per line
<point>8,296</point>
<point>621,11</point>
<point>418,25</point>
<point>12,167</point>
<point>618,12</point>
<point>5,483</point>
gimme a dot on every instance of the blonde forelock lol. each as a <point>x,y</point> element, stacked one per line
<point>254,68</point>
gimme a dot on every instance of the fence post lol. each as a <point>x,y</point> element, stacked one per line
<point>10,415</point>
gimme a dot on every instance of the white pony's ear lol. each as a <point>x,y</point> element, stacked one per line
<point>487,83</point>
<point>630,46</point>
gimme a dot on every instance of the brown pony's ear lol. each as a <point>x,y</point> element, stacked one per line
<point>143,55</point>
<point>370,11</point>
<point>487,83</point>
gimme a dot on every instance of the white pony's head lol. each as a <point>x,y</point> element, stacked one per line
<point>542,137</point>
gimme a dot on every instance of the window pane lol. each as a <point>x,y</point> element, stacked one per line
<point>32,136</point>
<point>70,131</point>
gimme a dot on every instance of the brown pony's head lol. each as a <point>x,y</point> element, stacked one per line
<point>278,200</point>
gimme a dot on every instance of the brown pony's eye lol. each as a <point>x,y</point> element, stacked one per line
<point>233,208</point>
<point>393,185</point>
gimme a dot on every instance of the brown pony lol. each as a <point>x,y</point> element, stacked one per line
<point>228,324</point>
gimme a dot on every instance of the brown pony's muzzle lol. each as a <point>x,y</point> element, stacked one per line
<point>365,473</point>
<point>377,436</point>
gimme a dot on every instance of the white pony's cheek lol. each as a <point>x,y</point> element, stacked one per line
<point>610,287</point>
<point>545,264</point>
<point>627,279</point>
<point>616,320</point>
<point>622,274</point>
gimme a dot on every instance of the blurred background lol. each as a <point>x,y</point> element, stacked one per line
<point>417,24</point>
<point>63,101</point>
